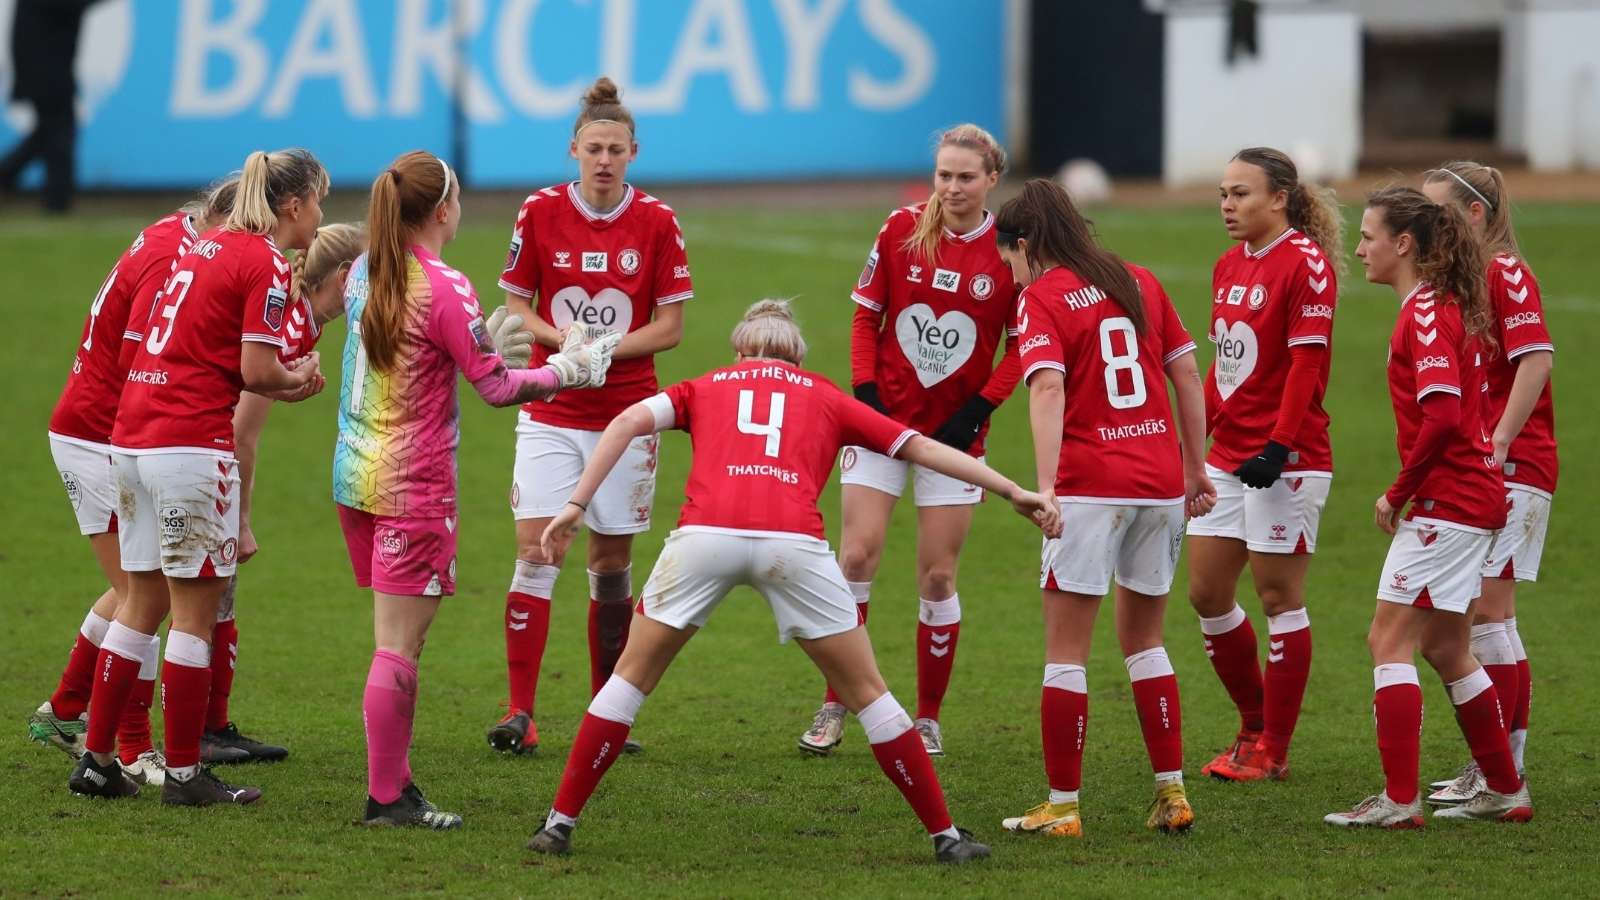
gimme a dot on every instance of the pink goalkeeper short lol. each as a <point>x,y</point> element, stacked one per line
<point>409,557</point>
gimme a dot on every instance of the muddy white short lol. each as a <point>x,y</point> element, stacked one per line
<point>1434,565</point>
<point>797,575</point>
<point>86,473</point>
<point>179,513</point>
<point>868,468</point>
<point>1281,519</point>
<point>1137,546</point>
<point>1519,546</point>
<point>551,459</point>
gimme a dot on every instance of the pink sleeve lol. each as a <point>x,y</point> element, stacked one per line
<point>510,387</point>
<point>457,324</point>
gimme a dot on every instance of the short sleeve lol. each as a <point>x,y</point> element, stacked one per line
<point>1039,345</point>
<point>1175,339</point>
<point>1313,290</point>
<point>457,323</point>
<point>672,283</point>
<point>152,279</point>
<point>1433,341</point>
<point>1520,309</point>
<point>872,286</point>
<point>681,396</point>
<point>264,279</point>
<point>861,425</point>
<point>521,273</point>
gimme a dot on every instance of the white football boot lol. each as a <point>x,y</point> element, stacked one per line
<point>1378,811</point>
<point>1466,785</point>
<point>826,731</point>
<point>932,738</point>
<point>150,768</point>
<point>1492,806</point>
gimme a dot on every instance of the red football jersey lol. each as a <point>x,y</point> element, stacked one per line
<point>1431,351</point>
<point>942,320</point>
<point>1520,328</point>
<point>88,405</point>
<point>1266,302</point>
<point>610,269</point>
<point>765,436</point>
<point>1118,441</point>
<point>184,381</point>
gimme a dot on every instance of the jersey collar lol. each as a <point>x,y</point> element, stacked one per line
<point>974,234</point>
<point>188,226</point>
<point>1268,248</point>
<point>1423,291</point>
<point>593,215</point>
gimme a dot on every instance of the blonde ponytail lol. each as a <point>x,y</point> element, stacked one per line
<point>1471,182</point>
<point>923,242</point>
<point>252,211</point>
<point>333,246</point>
<point>267,181</point>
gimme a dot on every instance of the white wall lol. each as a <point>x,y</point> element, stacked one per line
<point>1301,94</point>
<point>1550,84</point>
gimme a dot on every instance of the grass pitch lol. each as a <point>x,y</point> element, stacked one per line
<point>721,803</point>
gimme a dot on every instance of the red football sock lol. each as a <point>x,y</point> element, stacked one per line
<point>1397,706</point>
<point>527,631</point>
<point>1155,695</point>
<point>861,619</point>
<point>71,697</point>
<point>938,630</point>
<point>608,635</point>
<point>1478,713</point>
<point>1505,683</point>
<point>117,672</point>
<point>1284,687</point>
<point>185,692</point>
<point>596,747</point>
<point>906,762</point>
<point>224,658</point>
<point>1231,643</point>
<point>1063,719</point>
<point>133,731</point>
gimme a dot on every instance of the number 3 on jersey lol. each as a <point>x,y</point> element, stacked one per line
<point>772,429</point>
<point>167,308</point>
<point>1117,363</point>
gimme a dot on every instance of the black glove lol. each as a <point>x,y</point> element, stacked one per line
<point>961,429</point>
<point>1261,470</point>
<point>867,392</point>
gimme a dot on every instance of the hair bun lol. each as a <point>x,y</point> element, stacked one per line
<point>604,91</point>
<point>770,307</point>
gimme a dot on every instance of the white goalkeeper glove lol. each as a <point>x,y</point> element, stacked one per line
<point>585,358</point>
<point>514,345</point>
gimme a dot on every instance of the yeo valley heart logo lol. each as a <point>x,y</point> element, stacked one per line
<point>936,346</point>
<point>608,308</point>
<point>1236,355</point>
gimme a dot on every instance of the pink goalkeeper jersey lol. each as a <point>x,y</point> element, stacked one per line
<point>398,429</point>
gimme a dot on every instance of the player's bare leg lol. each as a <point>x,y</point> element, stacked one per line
<point>847,662</point>
<point>400,628</point>
<point>527,631</point>
<point>941,532</point>
<point>1215,566</point>
<point>650,650</point>
<point>865,513</point>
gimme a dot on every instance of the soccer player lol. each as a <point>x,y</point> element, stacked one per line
<point>1521,413</point>
<point>415,322</point>
<point>80,443</point>
<point>1099,339</point>
<point>765,433</point>
<point>316,289</point>
<point>592,254</point>
<point>214,329</point>
<point>1428,254</point>
<point>933,305</point>
<point>1270,458</point>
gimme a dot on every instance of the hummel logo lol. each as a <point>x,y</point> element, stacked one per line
<point>1518,296</point>
<point>1514,276</point>
<point>1316,285</point>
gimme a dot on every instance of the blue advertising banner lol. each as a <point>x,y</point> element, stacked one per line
<point>176,92</point>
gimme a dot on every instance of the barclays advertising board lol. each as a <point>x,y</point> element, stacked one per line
<point>175,92</point>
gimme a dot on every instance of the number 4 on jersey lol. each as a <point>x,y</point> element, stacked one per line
<point>771,429</point>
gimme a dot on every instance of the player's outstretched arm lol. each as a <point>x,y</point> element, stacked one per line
<point>264,374</point>
<point>635,421</point>
<point>1200,495</point>
<point>957,464</point>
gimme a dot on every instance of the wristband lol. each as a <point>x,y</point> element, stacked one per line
<point>579,505</point>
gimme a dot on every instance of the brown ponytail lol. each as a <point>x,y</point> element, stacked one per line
<point>403,196</point>
<point>1311,209</point>
<point>602,102</point>
<point>267,181</point>
<point>1449,256</point>
<point>1470,183</point>
<point>923,242</point>
<point>1058,235</point>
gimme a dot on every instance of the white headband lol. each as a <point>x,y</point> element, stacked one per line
<point>602,122</point>
<point>444,194</point>
<point>1475,191</point>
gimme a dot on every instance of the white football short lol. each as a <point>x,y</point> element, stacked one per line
<point>1519,546</point>
<point>549,462</point>
<point>1281,519</point>
<point>91,484</point>
<point>1434,565</point>
<point>1138,546</point>
<point>797,576</point>
<point>179,513</point>
<point>868,468</point>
